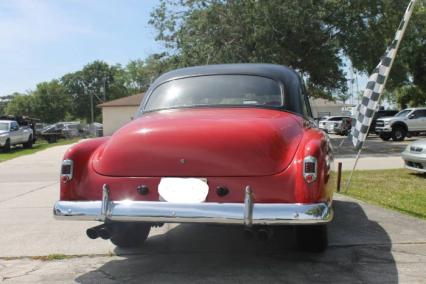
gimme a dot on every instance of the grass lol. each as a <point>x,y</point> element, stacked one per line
<point>40,145</point>
<point>51,257</point>
<point>399,189</point>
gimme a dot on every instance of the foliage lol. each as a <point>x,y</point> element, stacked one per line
<point>410,95</point>
<point>343,97</point>
<point>47,103</point>
<point>20,104</point>
<point>364,29</point>
<point>313,37</point>
<point>139,74</point>
<point>97,79</point>
<point>277,31</point>
<point>50,103</point>
<point>309,36</point>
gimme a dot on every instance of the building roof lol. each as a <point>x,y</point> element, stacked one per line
<point>134,100</point>
<point>325,102</point>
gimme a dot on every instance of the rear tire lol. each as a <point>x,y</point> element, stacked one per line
<point>127,235</point>
<point>385,136</point>
<point>398,133</point>
<point>29,143</point>
<point>6,147</point>
<point>312,238</point>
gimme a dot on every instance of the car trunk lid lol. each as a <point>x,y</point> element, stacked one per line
<point>201,143</point>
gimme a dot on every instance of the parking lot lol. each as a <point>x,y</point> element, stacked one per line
<point>367,243</point>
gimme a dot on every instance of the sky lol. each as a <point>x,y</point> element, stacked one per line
<point>41,40</point>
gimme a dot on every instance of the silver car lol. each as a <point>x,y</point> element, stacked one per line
<point>414,156</point>
<point>330,123</point>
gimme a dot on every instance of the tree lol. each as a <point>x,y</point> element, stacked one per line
<point>343,97</point>
<point>21,105</point>
<point>98,80</point>
<point>292,33</point>
<point>312,37</point>
<point>4,101</point>
<point>365,28</point>
<point>50,103</point>
<point>135,77</point>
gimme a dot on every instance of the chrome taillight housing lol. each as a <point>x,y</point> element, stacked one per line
<point>310,168</point>
<point>66,170</point>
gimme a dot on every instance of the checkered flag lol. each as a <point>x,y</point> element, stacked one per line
<point>376,84</point>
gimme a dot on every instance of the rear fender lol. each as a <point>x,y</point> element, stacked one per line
<point>314,143</point>
<point>80,155</point>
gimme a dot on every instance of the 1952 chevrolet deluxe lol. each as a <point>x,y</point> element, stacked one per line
<point>224,144</point>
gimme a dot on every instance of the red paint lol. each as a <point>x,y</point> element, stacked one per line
<point>202,143</point>
<point>231,147</point>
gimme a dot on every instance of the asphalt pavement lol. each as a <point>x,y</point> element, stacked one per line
<point>367,243</point>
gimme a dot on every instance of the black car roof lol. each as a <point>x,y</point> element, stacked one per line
<point>277,72</point>
<point>289,78</point>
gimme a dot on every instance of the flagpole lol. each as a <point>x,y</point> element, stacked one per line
<point>406,18</point>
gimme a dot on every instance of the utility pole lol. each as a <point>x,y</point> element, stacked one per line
<point>88,92</point>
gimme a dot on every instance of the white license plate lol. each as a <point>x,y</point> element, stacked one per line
<point>183,190</point>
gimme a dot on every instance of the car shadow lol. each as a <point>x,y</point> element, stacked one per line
<point>360,251</point>
<point>418,175</point>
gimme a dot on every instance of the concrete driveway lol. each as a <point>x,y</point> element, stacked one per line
<point>367,243</point>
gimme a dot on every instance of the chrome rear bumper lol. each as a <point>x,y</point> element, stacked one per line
<point>247,213</point>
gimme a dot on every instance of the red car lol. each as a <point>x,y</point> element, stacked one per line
<point>225,144</point>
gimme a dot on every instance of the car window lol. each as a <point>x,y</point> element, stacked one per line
<point>14,126</point>
<point>419,113</point>
<point>4,126</point>
<point>336,118</point>
<point>403,113</point>
<point>216,90</point>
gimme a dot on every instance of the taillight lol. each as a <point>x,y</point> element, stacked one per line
<point>310,169</point>
<point>66,170</point>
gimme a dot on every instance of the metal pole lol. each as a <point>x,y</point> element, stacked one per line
<point>353,169</point>
<point>339,176</point>
<point>404,27</point>
<point>92,115</point>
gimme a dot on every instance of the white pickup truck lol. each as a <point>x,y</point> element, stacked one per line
<point>12,134</point>
<point>406,123</point>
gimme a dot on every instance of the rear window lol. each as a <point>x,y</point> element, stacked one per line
<point>216,90</point>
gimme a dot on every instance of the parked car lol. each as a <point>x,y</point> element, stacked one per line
<point>12,134</point>
<point>24,122</point>
<point>70,129</point>
<point>381,114</point>
<point>51,133</point>
<point>39,128</point>
<point>330,123</point>
<point>344,128</point>
<point>408,122</point>
<point>414,156</point>
<point>224,144</point>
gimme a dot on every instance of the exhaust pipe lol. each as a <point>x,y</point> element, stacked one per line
<point>93,232</point>
<point>102,231</point>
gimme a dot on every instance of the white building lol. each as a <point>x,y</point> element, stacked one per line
<point>323,107</point>
<point>118,112</point>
